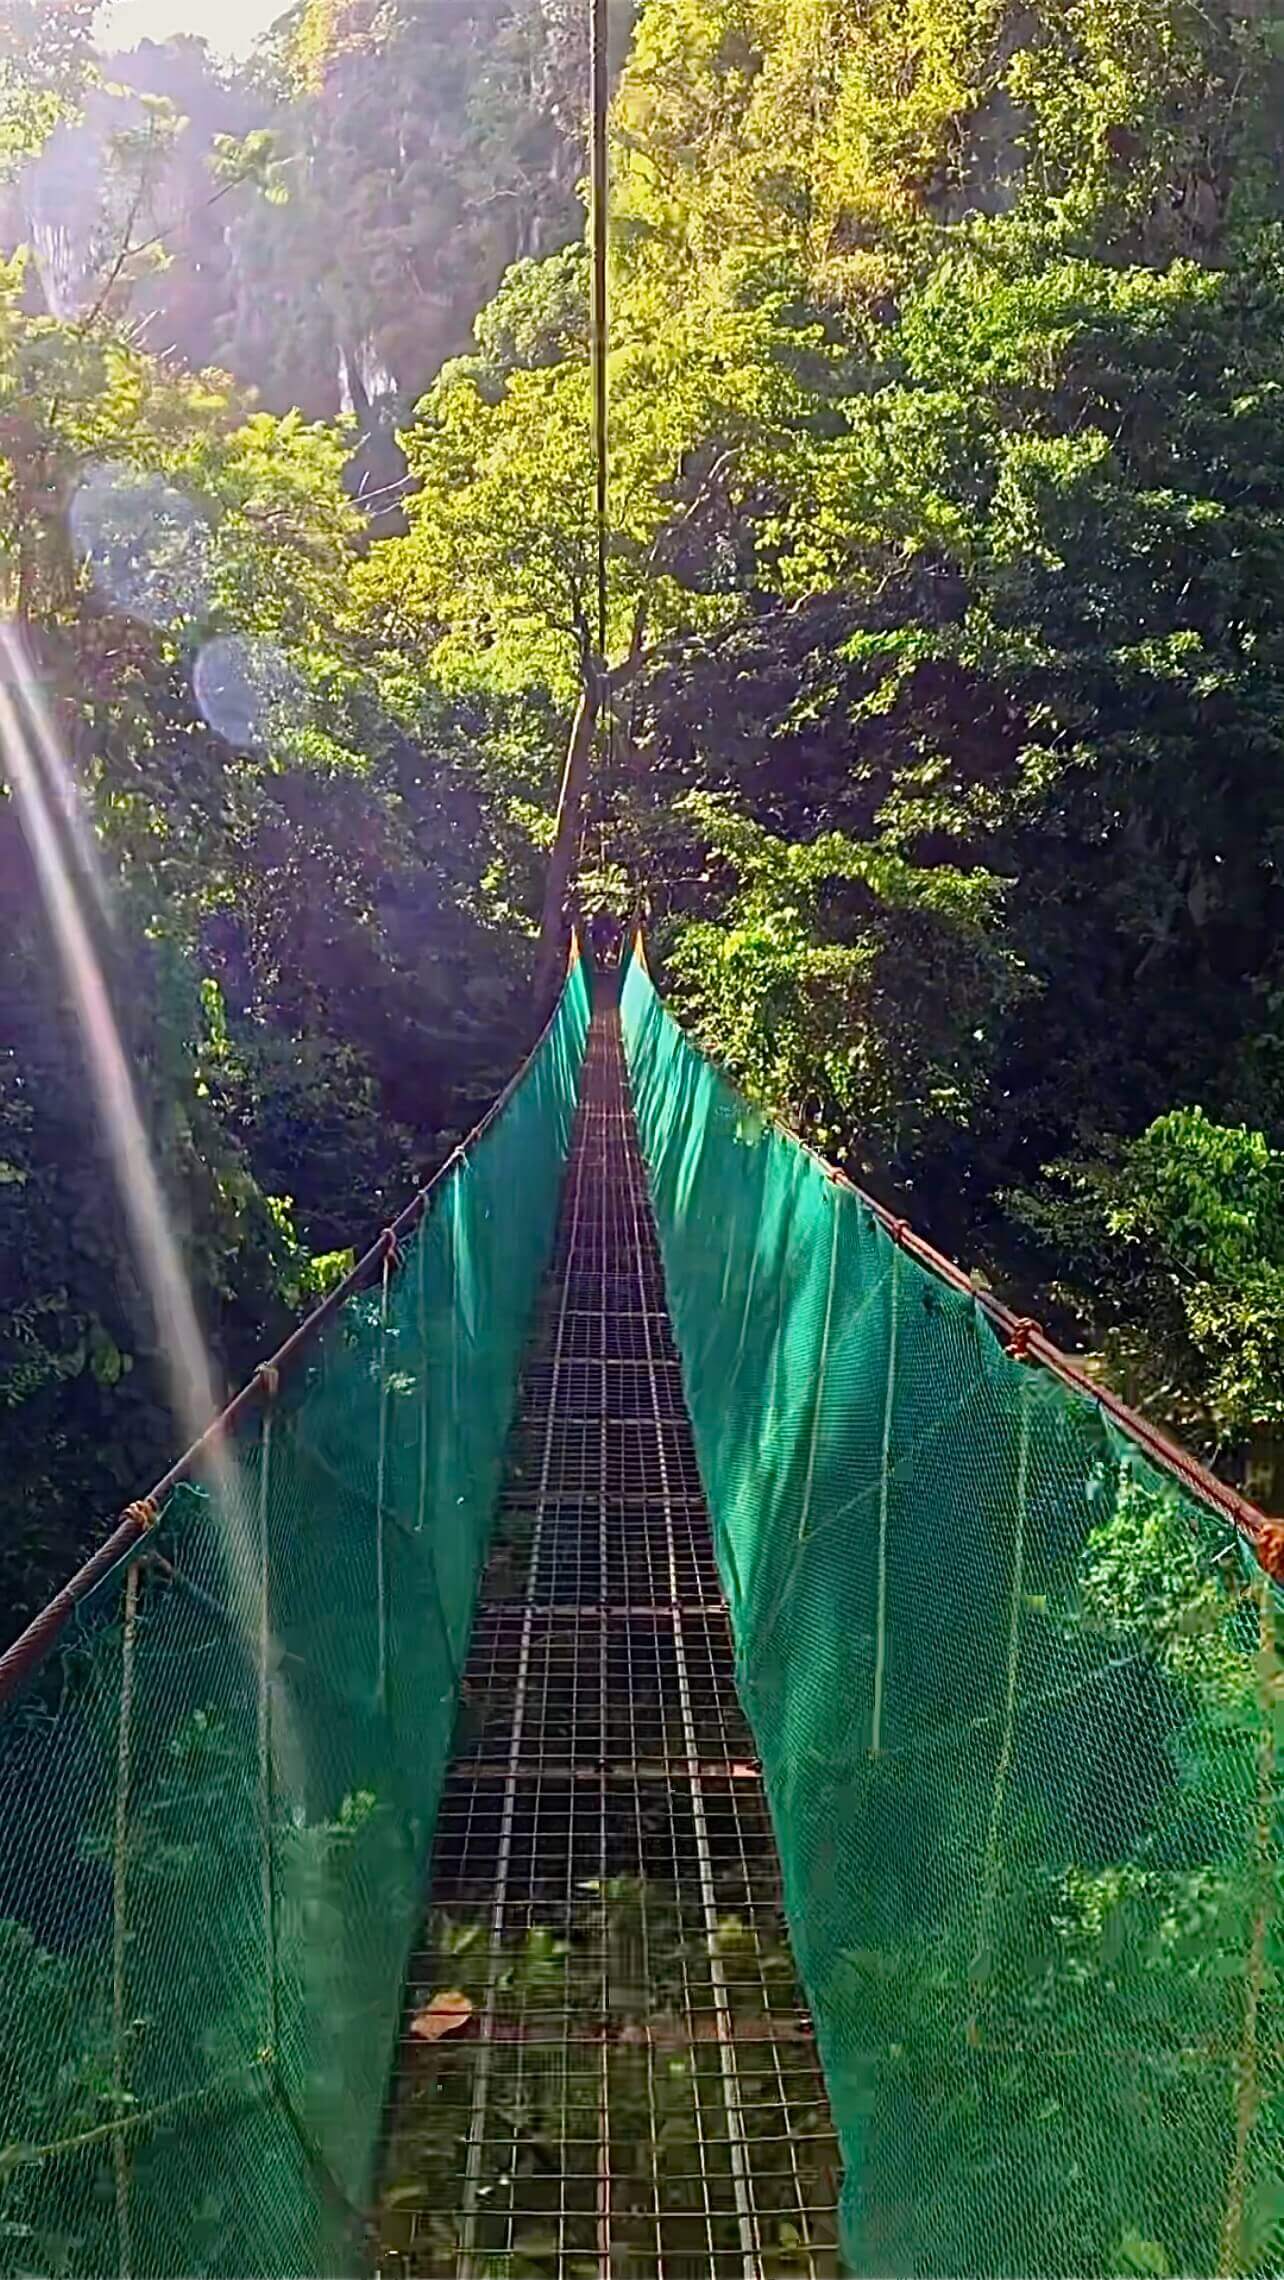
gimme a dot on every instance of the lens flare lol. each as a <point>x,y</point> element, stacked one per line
<point>115,1098</point>
<point>148,550</point>
<point>62,791</point>
<point>245,688</point>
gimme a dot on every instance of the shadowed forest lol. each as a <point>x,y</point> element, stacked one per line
<point>946,719</point>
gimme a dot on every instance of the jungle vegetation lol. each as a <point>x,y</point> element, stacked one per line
<point>947,510</point>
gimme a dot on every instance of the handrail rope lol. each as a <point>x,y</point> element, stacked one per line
<point>122,2127</point>
<point>21,2156</point>
<point>1025,1341</point>
<point>28,1650</point>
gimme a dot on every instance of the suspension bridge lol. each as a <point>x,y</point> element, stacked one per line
<point>663,1734</point>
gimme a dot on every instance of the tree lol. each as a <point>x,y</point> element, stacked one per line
<point>846,135</point>
<point>843,982</point>
<point>46,62</point>
<point>1171,1246</point>
<point>281,847</point>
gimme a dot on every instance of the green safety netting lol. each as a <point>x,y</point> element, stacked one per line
<point>1019,1702</point>
<point>216,1800</point>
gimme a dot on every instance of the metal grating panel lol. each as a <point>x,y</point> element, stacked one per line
<point>635,2090</point>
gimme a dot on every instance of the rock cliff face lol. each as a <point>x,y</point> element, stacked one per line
<point>989,161</point>
<point>405,162</point>
<point>135,165</point>
<point>836,130</point>
<point>414,165</point>
<point>1158,143</point>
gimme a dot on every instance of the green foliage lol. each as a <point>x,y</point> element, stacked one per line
<point>498,565</point>
<point>1176,1240</point>
<point>540,315</point>
<point>1015,613</point>
<point>814,983</point>
<point>850,134</point>
<point>280,851</point>
<point>46,62</point>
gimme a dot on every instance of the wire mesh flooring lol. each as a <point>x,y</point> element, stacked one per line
<point>629,2085</point>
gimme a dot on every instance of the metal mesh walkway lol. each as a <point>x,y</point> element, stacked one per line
<point>624,2081</point>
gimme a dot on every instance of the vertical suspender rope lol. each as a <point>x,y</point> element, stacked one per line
<point>981,1968</point>
<point>598,225</point>
<point>884,1496</point>
<point>835,1202</point>
<point>1236,2254</point>
<point>267,1779</point>
<point>381,1490</point>
<point>449,1415</point>
<point>456,1280</point>
<point>421,1314</point>
<point>120,1877</point>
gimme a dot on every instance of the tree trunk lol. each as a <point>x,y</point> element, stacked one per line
<point>561,863</point>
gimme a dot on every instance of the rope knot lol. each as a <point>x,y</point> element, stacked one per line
<point>1267,1538</point>
<point>1018,1345</point>
<point>144,1512</point>
<point>269,1377</point>
<point>898,1229</point>
<point>389,1248</point>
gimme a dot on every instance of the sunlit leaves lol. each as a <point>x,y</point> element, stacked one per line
<point>848,134</point>
<point>498,570</point>
<point>813,983</point>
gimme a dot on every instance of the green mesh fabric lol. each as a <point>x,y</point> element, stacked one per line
<point>1018,1701</point>
<point>216,1801</point>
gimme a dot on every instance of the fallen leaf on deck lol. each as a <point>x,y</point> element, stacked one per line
<point>445,2015</point>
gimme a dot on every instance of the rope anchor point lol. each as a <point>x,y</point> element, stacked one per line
<point>145,1512</point>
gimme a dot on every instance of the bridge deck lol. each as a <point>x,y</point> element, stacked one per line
<point>633,2088</point>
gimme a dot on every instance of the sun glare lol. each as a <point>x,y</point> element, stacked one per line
<point>230,26</point>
